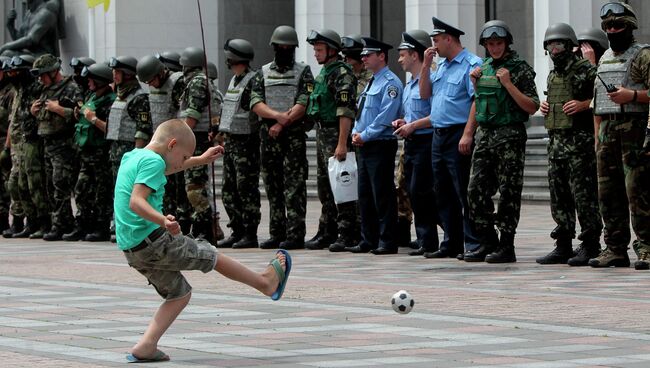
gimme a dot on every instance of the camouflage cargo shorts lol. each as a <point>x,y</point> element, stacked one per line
<point>163,259</point>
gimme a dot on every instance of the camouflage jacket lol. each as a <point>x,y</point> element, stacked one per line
<point>22,124</point>
<point>362,80</point>
<point>69,96</point>
<point>640,69</point>
<point>582,89</point>
<point>7,93</point>
<point>194,97</point>
<point>138,109</point>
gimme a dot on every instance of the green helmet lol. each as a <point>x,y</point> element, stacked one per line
<point>415,39</point>
<point>171,60</point>
<point>192,57</point>
<point>495,28</point>
<point>45,63</point>
<point>22,62</point>
<point>126,64</point>
<point>560,31</point>
<point>594,35</point>
<point>284,35</point>
<point>99,72</point>
<point>237,49</point>
<point>615,11</point>
<point>80,62</point>
<point>148,67</point>
<point>213,73</point>
<point>327,36</point>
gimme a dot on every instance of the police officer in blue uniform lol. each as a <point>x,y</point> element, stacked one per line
<point>452,93</point>
<point>376,147</point>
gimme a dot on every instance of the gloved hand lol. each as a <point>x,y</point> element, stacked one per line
<point>5,159</point>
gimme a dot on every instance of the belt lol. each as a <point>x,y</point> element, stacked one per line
<point>623,117</point>
<point>453,128</point>
<point>152,237</point>
<point>325,124</point>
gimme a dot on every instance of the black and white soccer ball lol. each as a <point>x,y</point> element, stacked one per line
<point>402,302</point>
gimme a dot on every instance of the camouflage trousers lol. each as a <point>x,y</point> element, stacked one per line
<point>5,199</point>
<point>343,219</point>
<point>404,209</point>
<point>27,183</point>
<point>93,190</point>
<point>240,183</point>
<point>623,182</point>
<point>196,187</point>
<point>573,186</point>
<point>115,153</point>
<point>60,159</point>
<point>175,200</point>
<point>497,165</point>
<point>284,171</point>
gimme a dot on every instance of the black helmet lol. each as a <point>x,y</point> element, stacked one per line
<point>596,35</point>
<point>352,43</point>
<point>171,60</point>
<point>126,64</point>
<point>238,49</point>
<point>80,62</point>
<point>213,73</point>
<point>22,62</point>
<point>560,31</point>
<point>495,28</point>
<point>415,39</point>
<point>192,57</point>
<point>148,67</point>
<point>327,36</point>
<point>284,35</point>
<point>99,72</point>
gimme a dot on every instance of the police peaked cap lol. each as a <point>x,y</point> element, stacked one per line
<point>373,45</point>
<point>442,27</point>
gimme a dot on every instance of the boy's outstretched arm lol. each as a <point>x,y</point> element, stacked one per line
<point>207,157</point>
<point>138,203</point>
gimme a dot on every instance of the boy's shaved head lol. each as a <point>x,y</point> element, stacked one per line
<point>176,129</point>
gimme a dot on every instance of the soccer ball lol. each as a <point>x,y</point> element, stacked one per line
<point>402,302</point>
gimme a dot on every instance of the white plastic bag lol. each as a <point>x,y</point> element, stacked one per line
<point>344,178</point>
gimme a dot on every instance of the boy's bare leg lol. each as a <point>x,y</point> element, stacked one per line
<point>266,281</point>
<point>165,315</point>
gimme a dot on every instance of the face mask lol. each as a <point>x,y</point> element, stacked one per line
<point>620,41</point>
<point>561,60</point>
<point>284,57</point>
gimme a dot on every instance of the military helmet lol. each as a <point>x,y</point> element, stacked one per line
<point>615,11</point>
<point>327,36</point>
<point>44,64</point>
<point>80,62</point>
<point>148,67</point>
<point>594,35</point>
<point>560,31</point>
<point>99,72</point>
<point>22,62</point>
<point>213,73</point>
<point>171,60</point>
<point>192,57</point>
<point>352,43</point>
<point>415,39</point>
<point>284,35</point>
<point>238,49</point>
<point>5,63</point>
<point>495,28</point>
<point>125,64</point>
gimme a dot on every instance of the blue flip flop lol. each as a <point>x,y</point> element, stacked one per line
<point>282,274</point>
<point>159,356</point>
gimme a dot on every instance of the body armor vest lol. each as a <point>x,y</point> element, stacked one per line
<point>160,101</point>
<point>322,105</point>
<point>615,70</point>
<point>203,124</point>
<point>121,127</point>
<point>50,123</point>
<point>281,88</point>
<point>234,119</point>
<point>494,106</point>
<point>560,91</point>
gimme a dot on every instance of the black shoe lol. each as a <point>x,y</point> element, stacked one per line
<point>440,254</point>
<point>98,236</point>
<point>54,235</point>
<point>340,244</point>
<point>76,235</point>
<point>418,252</point>
<point>26,232</point>
<point>318,242</point>
<point>559,255</point>
<point>248,241</point>
<point>16,226</point>
<point>272,243</point>
<point>383,251</point>
<point>229,241</point>
<point>502,255</point>
<point>583,254</point>
<point>292,244</point>
<point>477,255</point>
<point>4,221</point>
<point>357,249</point>
<point>414,244</point>
<point>460,256</point>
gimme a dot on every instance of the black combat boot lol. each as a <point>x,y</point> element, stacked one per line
<point>489,242</point>
<point>102,232</point>
<point>55,234</point>
<point>79,231</point>
<point>31,226</point>
<point>4,221</point>
<point>16,226</point>
<point>403,232</point>
<point>505,252</point>
<point>43,228</point>
<point>229,241</point>
<point>271,243</point>
<point>247,241</point>
<point>560,255</point>
<point>587,250</point>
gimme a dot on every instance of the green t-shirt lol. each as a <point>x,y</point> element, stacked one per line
<point>140,166</point>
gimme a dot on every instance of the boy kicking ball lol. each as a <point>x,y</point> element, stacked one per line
<point>153,243</point>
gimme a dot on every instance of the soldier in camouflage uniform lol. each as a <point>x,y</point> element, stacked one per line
<point>624,140</point>
<point>198,108</point>
<point>280,100</point>
<point>7,94</point>
<point>54,112</point>
<point>93,186</point>
<point>571,156</point>
<point>77,64</point>
<point>332,106</point>
<point>165,90</point>
<point>240,127</point>
<point>505,97</point>
<point>27,183</point>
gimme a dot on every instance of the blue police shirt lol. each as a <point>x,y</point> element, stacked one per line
<point>413,106</point>
<point>381,107</point>
<point>452,91</point>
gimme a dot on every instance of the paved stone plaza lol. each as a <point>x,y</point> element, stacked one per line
<point>79,305</point>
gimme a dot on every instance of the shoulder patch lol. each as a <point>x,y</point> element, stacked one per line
<point>310,87</point>
<point>344,96</point>
<point>392,92</point>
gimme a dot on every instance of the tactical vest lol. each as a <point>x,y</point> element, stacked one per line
<point>50,123</point>
<point>234,119</point>
<point>281,88</point>
<point>160,101</point>
<point>615,70</point>
<point>494,106</point>
<point>203,124</point>
<point>122,127</point>
<point>322,105</point>
<point>86,133</point>
<point>560,91</point>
